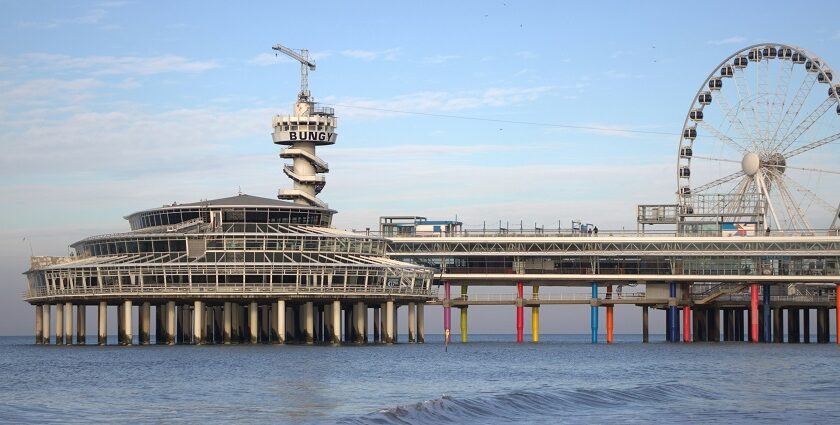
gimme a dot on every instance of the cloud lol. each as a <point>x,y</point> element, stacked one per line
<point>731,40</point>
<point>439,59</point>
<point>436,101</point>
<point>111,65</point>
<point>369,55</point>
<point>92,17</point>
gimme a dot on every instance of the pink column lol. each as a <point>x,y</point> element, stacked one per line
<point>520,316</point>
<point>686,324</point>
<point>447,313</point>
<point>754,312</point>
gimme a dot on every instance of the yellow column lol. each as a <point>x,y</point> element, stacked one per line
<point>535,315</point>
<point>464,314</point>
<point>463,324</point>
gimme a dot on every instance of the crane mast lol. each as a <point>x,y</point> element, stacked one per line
<point>305,66</point>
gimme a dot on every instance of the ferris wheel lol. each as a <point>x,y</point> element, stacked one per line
<point>761,143</point>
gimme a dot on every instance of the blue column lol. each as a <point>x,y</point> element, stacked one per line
<point>766,311</point>
<point>594,318</point>
<point>672,317</point>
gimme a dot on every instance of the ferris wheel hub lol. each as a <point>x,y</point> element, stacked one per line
<point>750,163</point>
<point>776,162</point>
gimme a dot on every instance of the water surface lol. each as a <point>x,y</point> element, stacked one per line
<point>489,380</point>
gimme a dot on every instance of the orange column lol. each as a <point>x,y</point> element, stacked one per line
<point>609,316</point>
<point>686,324</point>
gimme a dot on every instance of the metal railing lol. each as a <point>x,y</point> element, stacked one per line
<point>226,289</point>
<point>572,296</point>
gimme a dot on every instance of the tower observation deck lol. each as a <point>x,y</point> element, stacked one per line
<point>310,126</point>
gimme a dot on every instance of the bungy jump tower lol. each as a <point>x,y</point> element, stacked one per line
<point>242,269</point>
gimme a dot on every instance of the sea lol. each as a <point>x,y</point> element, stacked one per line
<point>491,379</point>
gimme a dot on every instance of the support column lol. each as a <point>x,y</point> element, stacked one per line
<point>280,312</point>
<point>609,316</point>
<point>348,323</point>
<point>768,335</point>
<point>227,326</point>
<point>686,324</point>
<point>68,323</point>
<point>714,324</point>
<point>335,328</point>
<point>160,314</point>
<point>170,323</point>
<point>793,325</point>
<point>209,322</point>
<point>822,325</point>
<point>645,325</point>
<point>81,324</point>
<point>377,336</point>
<point>535,314</point>
<point>520,314</point>
<point>128,331</point>
<point>778,326</point>
<point>39,324</point>
<point>806,325</point>
<point>412,324</point>
<point>59,324</point>
<point>46,334</point>
<point>252,322</point>
<point>145,323</point>
<point>102,329</point>
<point>358,323</point>
<point>309,323</point>
<point>673,319</point>
<point>837,311</point>
<point>389,322</point>
<point>198,322</point>
<point>754,312</point>
<point>447,314</point>
<point>593,313</point>
<point>421,324</point>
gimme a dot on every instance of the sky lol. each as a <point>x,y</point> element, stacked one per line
<point>111,107</point>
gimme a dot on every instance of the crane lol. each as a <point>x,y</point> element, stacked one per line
<point>305,66</point>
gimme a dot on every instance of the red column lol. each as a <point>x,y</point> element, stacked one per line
<point>754,312</point>
<point>686,324</point>
<point>520,315</point>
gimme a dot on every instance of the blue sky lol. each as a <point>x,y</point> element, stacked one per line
<point>111,107</point>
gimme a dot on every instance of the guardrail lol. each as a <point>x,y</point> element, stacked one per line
<point>581,296</point>
<point>209,290</point>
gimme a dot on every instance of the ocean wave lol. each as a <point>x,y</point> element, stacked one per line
<point>521,405</point>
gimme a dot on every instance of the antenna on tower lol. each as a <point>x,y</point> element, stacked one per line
<point>305,66</point>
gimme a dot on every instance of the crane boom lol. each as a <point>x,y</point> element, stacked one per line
<point>305,66</point>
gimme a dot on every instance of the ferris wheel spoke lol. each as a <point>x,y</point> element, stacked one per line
<point>745,103</point>
<point>718,182</point>
<point>806,123</point>
<point>795,105</point>
<point>731,115</point>
<point>794,212</point>
<point>817,170</point>
<point>722,137</point>
<point>785,72</point>
<point>709,158</point>
<point>759,182</point>
<point>812,145</point>
<point>762,97</point>
<point>732,202</point>
<point>807,193</point>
